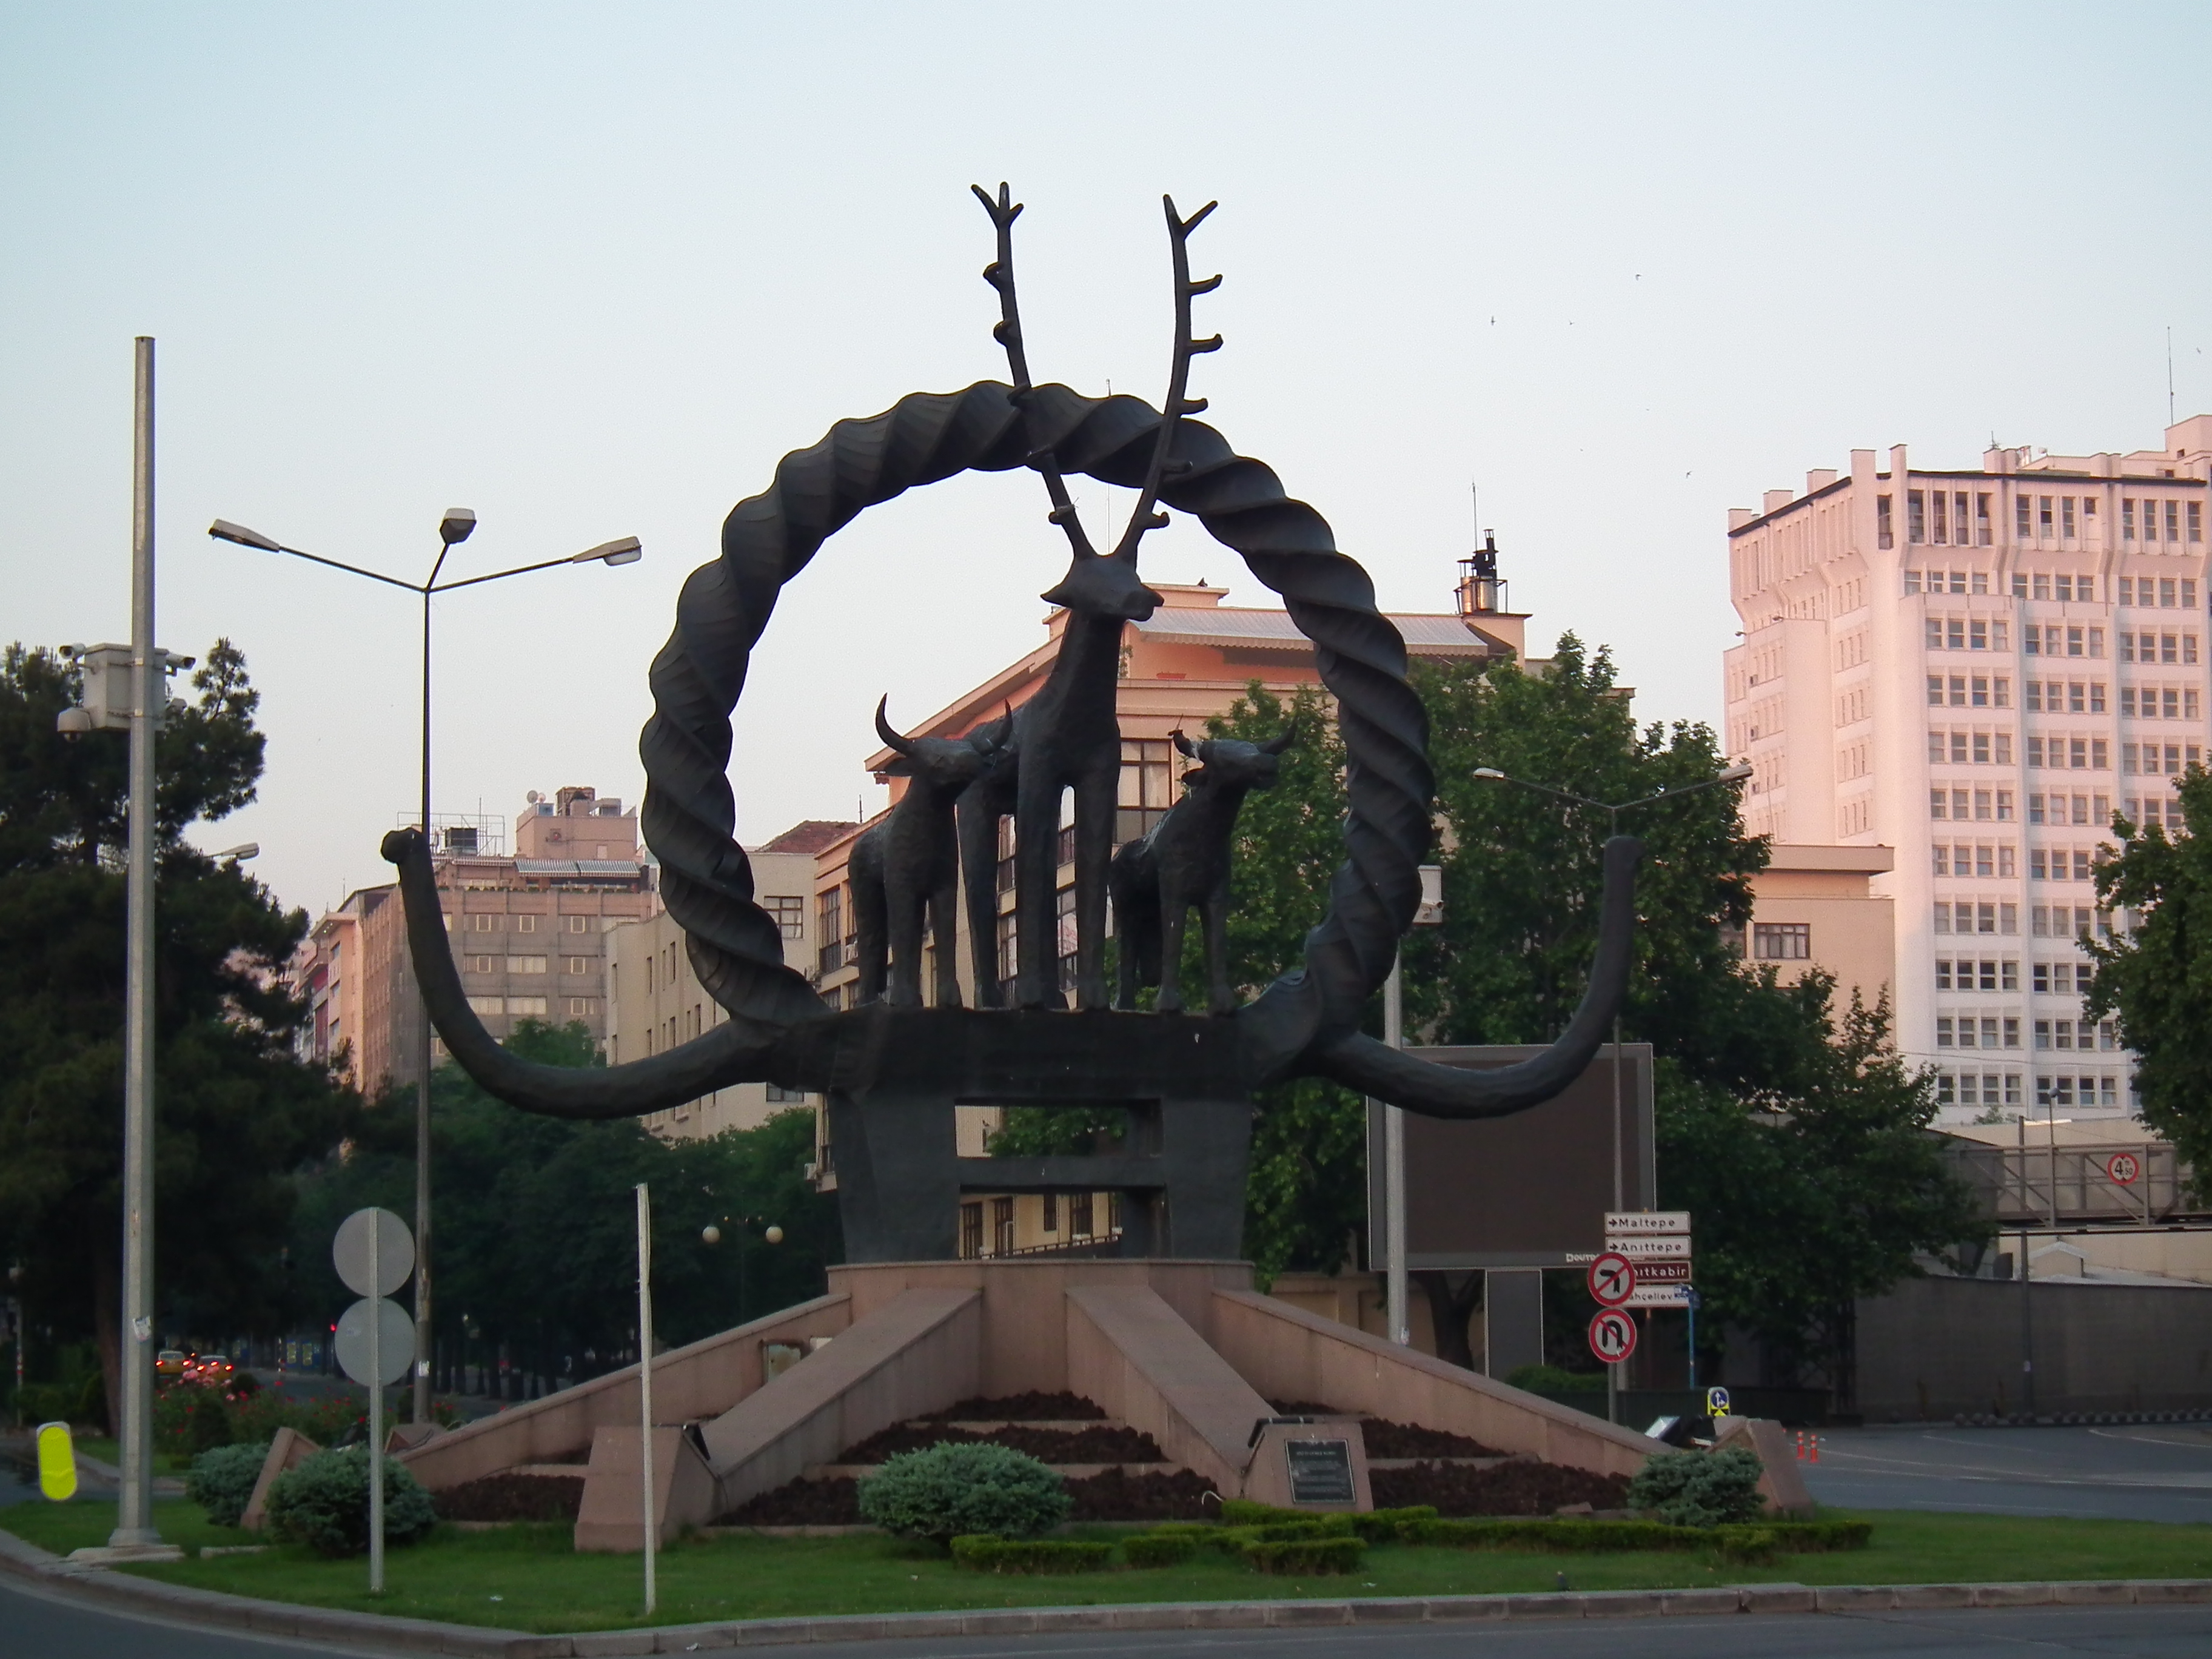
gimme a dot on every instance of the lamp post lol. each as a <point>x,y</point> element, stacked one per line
<point>1613,809</point>
<point>1396,1293</point>
<point>458,523</point>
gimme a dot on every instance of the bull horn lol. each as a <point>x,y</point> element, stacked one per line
<point>1275,745</point>
<point>1185,744</point>
<point>891,738</point>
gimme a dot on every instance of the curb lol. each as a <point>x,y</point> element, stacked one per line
<point>430,1636</point>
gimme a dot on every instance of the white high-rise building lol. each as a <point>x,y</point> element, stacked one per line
<point>1979,668</point>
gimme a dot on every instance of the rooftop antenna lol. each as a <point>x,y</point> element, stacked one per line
<point>2169,373</point>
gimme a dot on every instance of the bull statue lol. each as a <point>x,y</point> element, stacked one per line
<point>1182,862</point>
<point>906,870</point>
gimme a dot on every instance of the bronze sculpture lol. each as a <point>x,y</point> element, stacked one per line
<point>892,1074</point>
<point>1182,861</point>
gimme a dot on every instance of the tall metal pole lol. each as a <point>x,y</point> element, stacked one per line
<point>134,1515</point>
<point>1394,1165</point>
<point>376,1401</point>
<point>420,1413</point>
<point>1619,1191</point>
<point>645,1383</point>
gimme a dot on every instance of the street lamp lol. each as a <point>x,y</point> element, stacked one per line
<point>456,528</point>
<point>1613,809</point>
<point>1396,1292</point>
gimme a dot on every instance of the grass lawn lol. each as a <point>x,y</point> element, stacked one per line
<point>107,1451</point>
<point>526,1578</point>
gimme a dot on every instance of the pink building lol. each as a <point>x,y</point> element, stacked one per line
<point>1977,668</point>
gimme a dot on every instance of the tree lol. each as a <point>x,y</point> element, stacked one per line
<point>536,1247</point>
<point>2157,976</point>
<point>236,1110</point>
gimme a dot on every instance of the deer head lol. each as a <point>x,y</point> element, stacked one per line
<point>1232,763</point>
<point>943,763</point>
<point>1104,584</point>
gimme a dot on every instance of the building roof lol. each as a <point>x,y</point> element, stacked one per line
<point>809,836</point>
<point>1426,635</point>
<point>626,868</point>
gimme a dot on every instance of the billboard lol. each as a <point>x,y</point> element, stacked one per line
<point>1531,1190</point>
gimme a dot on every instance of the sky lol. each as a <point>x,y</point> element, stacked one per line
<point>590,270</point>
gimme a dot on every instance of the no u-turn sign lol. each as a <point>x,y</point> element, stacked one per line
<point>1612,1335</point>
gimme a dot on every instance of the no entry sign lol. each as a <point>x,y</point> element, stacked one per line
<point>2124,1167</point>
<point>1612,1335</point>
<point>1612,1279</point>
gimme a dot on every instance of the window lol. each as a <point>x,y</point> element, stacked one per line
<point>1882,536</point>
<point>1079,1215</point>
<point>2020,530</point>
<point>483,965</point>
<point>1782,941</point>
<point>1009,954</point>
<point>2127,519</point>
<point>579,1007</point>
<point>481,923</point>
<point>830,927</point>
<point>788,912</point>
<point>780,1095</point>
<point>2196,521</point>
<point>1981,520</point>
<point>971,1231</point>
<point>486,1007</point>
<point>1002,1226</point>
<point>1916,516</point>
<point>2066,517</point>
<point>528,1007</point>
<point>526,924</point>
<point>1941,524</point>
<point>580,964</point>
<point>525,964</point>
<point>1052,1212</point>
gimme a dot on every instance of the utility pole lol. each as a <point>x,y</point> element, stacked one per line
<point>134,1516</point>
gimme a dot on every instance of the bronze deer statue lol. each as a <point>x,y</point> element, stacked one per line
<point>906,870</point>
<point>1067,736</point>
<point>1182,861</point>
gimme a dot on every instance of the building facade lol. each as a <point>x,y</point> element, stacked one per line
<point>655,1001</point>
<point>1979,669</point>
<point>1189,662</point>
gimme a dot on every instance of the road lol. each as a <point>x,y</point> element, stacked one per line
<point>36,1625</point>
<point>2143,1472</point>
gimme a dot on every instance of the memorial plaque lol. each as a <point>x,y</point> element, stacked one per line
<point>1320,1471</point>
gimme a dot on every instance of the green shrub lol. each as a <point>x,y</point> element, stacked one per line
<point>1307,1555</point>
<point>1159,1549</point>
<point>323,1504</point>
<point>983,1554</point>
<point>946,1490</point>
<point>221,1480</point>
<point>1814,1537</point>
<point>1747,1545</point>
<point>1304,1526</point>
<point>1564,1537</point>
<point>1243,1512</point>
<point>1551,1379</point>
<point>1699,1489</point>
<point>1388,1526</point>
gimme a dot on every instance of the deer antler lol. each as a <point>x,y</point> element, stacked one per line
<point>1175,405</point>
<point>1000,274</point>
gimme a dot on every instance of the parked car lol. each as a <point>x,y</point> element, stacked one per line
<point>170,1362</point>
<point>211,1370</point>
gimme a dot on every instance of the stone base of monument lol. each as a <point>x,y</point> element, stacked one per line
<point>1185,1352</point>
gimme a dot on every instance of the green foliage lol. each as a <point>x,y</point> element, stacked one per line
<point>323,1502</point>
<point>1699,1489</point>
<point>946,1490</point>
<point>189,1418</point>
<point>222,1479</point>
<point>1307,1555</point>
<point>1747,1545</point>
<point>980,1552</point>
<point>1159,1549</point>
<point>2157,976</point>
<point>537,1229</point>
<point>1554,1379</point>
<point>238,1110</point>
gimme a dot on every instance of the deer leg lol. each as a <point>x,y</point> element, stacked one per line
<point>1174,909</point>
<point>1036,852</point>
<point>1221,996</point>
<point>1094,854</point>
<point>943,932</point>
<point>904,905</point>
<point>979,816</point>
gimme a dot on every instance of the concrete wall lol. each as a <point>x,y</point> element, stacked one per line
<point>1936,1347</point>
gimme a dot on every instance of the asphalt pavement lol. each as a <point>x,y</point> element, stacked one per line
<point>35,1625</point>
<point>2142,1472</point>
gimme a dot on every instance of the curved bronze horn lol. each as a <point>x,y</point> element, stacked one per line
<point>1185,744</point>
<point>890,737</point>
<point>1275,745</point>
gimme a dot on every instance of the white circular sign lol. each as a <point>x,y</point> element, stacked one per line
<point>1612,1279</point>
<point>2124,1167</point>
<point>395,1340</point>
<point>394,1249</point>
<point>1612,1335</point>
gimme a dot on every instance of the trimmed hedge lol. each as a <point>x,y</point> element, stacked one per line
<point>1307,1555</point>
<point>1170,1549</point>
<point>980,1552</point>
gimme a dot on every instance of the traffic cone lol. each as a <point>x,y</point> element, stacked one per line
<point>1801,1445</point>
<point>1816,1449</point>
